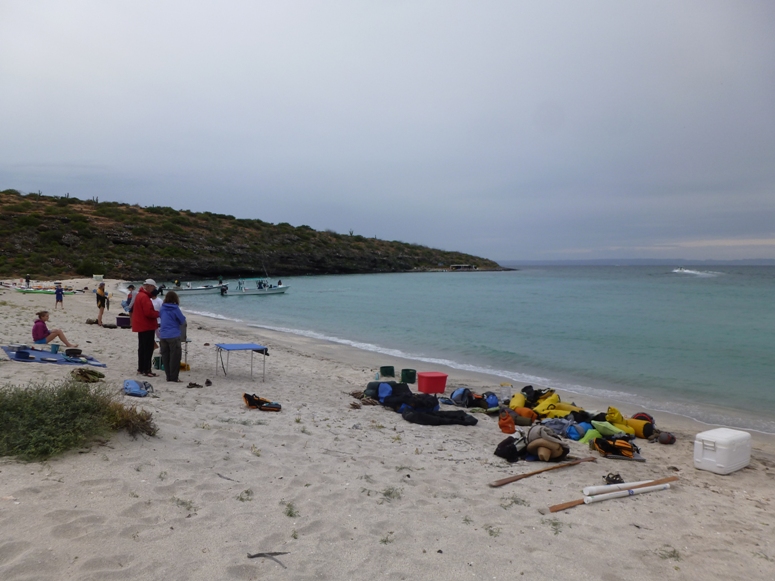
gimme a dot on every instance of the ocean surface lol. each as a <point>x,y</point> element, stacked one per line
<point>696,342</point>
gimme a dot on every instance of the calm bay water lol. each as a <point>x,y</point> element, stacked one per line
<point>697,342</point>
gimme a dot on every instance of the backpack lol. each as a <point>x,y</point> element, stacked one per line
<point>512,448</point>
<point>491,399</point>
<point>137,389</point>
<point>533,395</point>
<point>615,447</point>
<point>462,397</point>
<point>643,416</point>
<point>372,388</point>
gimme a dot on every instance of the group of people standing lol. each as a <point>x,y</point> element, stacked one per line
<point>152,318</point>
<point>163,320</point>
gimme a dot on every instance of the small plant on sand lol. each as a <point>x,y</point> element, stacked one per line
<point>388,538</point>
<point>162,475</point>
<point>242,422</point>
<point>255,450</point>
<point>298,419</point>
<point>42,420</point>
<point>392,493</point>
<point>294,534</point>
<point>555,523</point>
<point>290,509</point>
<point>509,501</point>
<point>245,495</point>
<point>304,430</point>
<point>467,520</point>
<point>668,552</point>
<point>492,531</point>
<point>187,504</point>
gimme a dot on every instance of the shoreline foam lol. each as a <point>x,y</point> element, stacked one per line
<point>704,414</point>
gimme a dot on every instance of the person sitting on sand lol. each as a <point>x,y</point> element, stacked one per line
<point>42,335</point>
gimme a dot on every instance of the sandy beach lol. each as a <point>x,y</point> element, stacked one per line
<point>344,493</point>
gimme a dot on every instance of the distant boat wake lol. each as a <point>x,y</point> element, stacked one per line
<point>701,273</point>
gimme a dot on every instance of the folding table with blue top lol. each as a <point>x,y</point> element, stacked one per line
<point>229,347</point>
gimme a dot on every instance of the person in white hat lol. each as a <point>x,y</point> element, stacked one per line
<point>145,323</point>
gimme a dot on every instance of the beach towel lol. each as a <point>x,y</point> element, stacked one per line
<point>51,358</point>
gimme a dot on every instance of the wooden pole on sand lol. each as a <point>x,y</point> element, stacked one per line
<point>503,481</point>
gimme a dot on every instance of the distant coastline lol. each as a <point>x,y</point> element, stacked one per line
<point>639,262</point>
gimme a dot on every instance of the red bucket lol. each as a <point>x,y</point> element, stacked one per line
<point>431,382</point>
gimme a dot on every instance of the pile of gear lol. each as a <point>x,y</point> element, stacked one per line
<point>549,420</point>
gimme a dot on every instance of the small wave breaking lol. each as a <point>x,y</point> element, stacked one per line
<point>698,273</point>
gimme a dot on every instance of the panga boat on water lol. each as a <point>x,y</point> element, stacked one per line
<point>263,287</point>
<point>207,289</point>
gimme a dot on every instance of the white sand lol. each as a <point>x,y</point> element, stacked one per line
<point>167,507</point>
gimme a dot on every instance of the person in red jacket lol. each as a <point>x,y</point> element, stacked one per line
<point>144,323</point>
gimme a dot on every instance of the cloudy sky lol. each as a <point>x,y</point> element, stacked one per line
<point>507,129</point>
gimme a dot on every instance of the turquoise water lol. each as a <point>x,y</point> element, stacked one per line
<point>694,342</point>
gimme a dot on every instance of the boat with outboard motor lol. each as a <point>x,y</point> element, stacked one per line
<point>263,287</point>
<point>206,289</point>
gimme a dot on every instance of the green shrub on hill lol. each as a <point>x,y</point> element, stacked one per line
<point>87,237</point>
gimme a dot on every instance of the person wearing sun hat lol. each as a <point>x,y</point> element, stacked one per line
<point>145,323</point>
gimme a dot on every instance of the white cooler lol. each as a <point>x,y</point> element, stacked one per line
<point>722,450</point>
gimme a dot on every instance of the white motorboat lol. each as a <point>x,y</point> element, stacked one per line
<point>263,287</point>
<point>207,289</point>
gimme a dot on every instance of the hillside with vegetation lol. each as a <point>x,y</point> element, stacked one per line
<point>49,237</point>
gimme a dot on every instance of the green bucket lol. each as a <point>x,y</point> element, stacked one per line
<point>408,375</point>
<point>387,371</point>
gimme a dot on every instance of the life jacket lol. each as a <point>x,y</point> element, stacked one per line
<point>615,447</point>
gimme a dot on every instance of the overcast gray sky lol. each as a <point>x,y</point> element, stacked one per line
<point>507,129</point>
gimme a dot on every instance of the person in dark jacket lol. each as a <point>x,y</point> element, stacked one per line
<point>102,299</point>
<point>144,323</point>
<point>169,335</point>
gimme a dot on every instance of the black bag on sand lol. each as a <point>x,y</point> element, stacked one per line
<point>401,395</point>
<point>512,449</point>
<point>372,388</point>
<point>440,418</point>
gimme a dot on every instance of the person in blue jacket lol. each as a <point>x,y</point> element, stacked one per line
<point>169,335</point>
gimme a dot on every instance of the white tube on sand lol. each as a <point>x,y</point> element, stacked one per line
<point>623,493</point>
<point>592,490</point>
